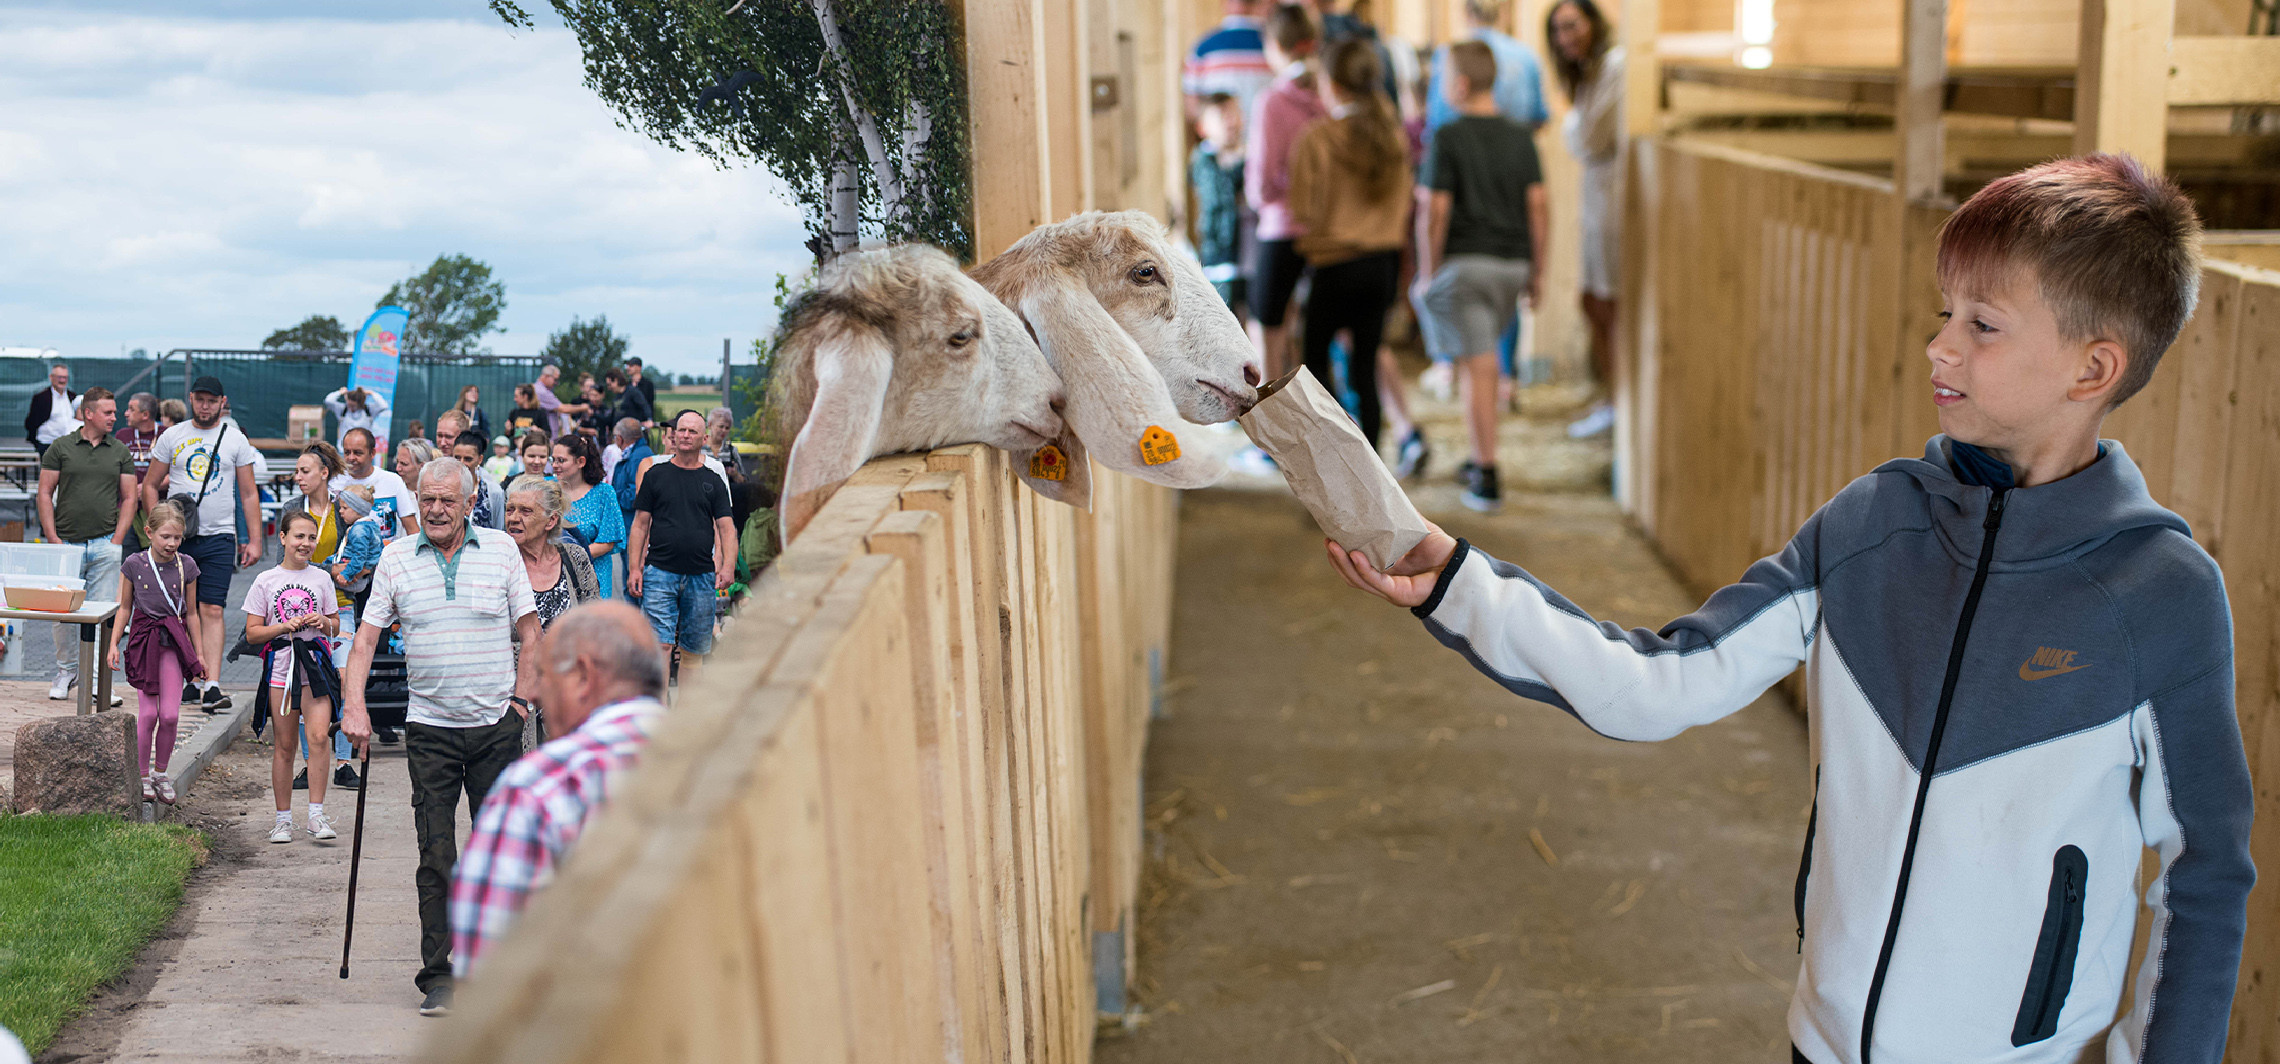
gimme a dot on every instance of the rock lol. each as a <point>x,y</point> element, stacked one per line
<point>75,764</point>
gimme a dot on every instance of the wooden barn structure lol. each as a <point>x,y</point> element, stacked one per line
<point>900,819</point>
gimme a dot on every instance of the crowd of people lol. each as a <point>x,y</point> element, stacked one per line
<point>1338,169</point>
<point>457,560</point>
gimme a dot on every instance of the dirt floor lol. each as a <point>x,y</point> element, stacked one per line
<point>1362,851</point>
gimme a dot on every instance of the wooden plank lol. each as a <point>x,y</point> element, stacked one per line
<point>1642,74</point>
<point>2205,358</point>
<point>1918,99</point>
<point>1006,79</point>
<point>1068,111</point>
<point>2224,71</point>
<point>2121,103</point>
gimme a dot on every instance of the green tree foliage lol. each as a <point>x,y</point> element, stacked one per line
<point>452,304</point>
<point>858,105</point>
<point>585,347</point>
<point>317,332</point>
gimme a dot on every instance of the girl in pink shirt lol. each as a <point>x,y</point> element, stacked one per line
<point>291,610</point>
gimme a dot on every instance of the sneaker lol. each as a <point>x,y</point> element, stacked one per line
<point>162,787</point>
<point>387,736</point>
<point>150,793</point>
<point>1600,419</point>
<point>216,699</point>
<point>1481,490</point>
<point>437,1002</point>
<point>190,694</point>
<point>61,688</point>
<point>1465,472</point>
<point>301,779</point>
<point>346,779</point>
<point>1409,458</point>
<point>321,828</point>
<point>282,832</point>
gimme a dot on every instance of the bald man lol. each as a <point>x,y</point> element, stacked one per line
<point>601,678</point>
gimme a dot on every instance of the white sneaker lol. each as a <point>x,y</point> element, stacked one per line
<point>320,827</point>
<point>282,832</point>
<point>61,688</point>
<point>150,792</point>
<point>163,788</point>
<point>1600,419</point>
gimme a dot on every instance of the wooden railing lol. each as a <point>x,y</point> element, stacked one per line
<point>1781,315</point>
<point>888,821</point>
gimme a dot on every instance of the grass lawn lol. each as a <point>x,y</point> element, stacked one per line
<point>79,895</point>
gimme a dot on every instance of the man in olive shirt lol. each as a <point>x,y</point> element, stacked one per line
<point>87,500</point>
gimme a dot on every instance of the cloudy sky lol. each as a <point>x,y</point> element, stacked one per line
<point>199,174</point>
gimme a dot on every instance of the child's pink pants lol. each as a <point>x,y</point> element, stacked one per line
<point>158,715</point>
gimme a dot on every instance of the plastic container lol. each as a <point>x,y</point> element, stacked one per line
<point>41,559</point>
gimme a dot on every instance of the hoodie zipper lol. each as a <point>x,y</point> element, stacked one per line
<point>1993,524</point>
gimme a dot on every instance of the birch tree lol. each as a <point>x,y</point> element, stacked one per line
<point>859,106</point>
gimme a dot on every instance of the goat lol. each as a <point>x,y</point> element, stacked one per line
<point>1141,340</point>
<point>895,350</point>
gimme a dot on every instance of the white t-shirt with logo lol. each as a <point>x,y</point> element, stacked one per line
<point>390,498</point>
<point>187,451</point>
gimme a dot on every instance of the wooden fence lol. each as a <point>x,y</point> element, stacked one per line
<point>884,824</point>
<point>1781,313</point>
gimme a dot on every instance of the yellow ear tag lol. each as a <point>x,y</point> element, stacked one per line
<point>1048,464</point>
<point>1158,447</point>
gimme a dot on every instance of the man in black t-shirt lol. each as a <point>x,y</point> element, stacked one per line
<point>681,550</point>
<point>640,382</point>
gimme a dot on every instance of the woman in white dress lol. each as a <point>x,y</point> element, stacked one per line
<point>1590,70</point>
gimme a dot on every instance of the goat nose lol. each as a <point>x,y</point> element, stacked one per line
<point>1057,401</point>
<point>1251,375</point>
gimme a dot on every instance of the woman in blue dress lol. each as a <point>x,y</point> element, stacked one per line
<point>592,518</point>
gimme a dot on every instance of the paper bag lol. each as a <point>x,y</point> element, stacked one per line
<point>1333,470</point>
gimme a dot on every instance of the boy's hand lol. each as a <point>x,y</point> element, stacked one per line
<point>1410,582</point>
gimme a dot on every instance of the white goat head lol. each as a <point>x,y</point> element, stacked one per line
<point>1140,339</point>
<point>895,350</point>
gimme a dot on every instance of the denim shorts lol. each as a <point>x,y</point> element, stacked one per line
<point>680,608</point>
<point>217,561</point>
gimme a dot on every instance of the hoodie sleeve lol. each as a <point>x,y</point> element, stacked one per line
<point>1636,684</point>
<point>2194,806</point>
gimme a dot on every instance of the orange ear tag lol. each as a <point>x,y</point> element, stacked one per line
<point>1158,447</point>
<point>1048,464</point>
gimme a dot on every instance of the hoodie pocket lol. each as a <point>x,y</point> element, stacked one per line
<point>1805,861</point>
<point>2052,973</point>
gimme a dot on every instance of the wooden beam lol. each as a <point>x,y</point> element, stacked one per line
<point>1920,98</point>
<point>2037,93</point>
<point>1642,74</point>
<point>1005,40</point>
<point>2224,71</point>
<point>2122,102</point>
<point>1068,106</point>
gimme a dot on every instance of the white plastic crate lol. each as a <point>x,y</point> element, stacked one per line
<point>46,560</point>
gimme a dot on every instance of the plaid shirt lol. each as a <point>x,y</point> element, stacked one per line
<point>533,817</point>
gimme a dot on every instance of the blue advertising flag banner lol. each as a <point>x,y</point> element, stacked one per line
<point>378,348</point>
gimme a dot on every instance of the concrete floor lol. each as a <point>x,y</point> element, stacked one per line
<point>1363,851</point>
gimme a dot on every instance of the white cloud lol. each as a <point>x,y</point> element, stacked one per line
<point>179,182</point>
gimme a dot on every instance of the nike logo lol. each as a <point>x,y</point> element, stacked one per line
<point>2048,662</point>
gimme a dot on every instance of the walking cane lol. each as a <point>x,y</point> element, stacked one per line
<point>355,854</point>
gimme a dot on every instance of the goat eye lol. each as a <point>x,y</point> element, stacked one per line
<point>1145,273</point>
<point>962,337</point>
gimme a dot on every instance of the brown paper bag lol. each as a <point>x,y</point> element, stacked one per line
<point>1333,470</point>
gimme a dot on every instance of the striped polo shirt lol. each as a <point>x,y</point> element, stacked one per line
<point>458,618</point>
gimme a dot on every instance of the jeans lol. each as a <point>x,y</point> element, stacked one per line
<point>99,566</point>
<point>680,608</point>
<point>446,762</point>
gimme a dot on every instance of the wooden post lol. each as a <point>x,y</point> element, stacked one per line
<point>1005,50</point>
<point>1922,93</point>
<point>2121,94</point>
<point>1068,66</point>
<point>1642,73</point>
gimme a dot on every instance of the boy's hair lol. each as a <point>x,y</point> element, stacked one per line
<point>2114,250</point>
<point>1219,99</point>
<point>1475,63</point>
<point>1290,27</point>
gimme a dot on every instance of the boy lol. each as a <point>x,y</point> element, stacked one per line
<point>1215,171</point>
<point>1277,117</point>
<point>2011,616</point>
<point>1481,226</point>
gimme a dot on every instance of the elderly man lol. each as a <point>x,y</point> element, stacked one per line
<point>53,411</point>
<point>601,678</point>
<point>87,501</point>
<point>682,547</point>
<point>561,417</point>
<point>463,599</point>
<point>208,460</point>
<point>355,409</point>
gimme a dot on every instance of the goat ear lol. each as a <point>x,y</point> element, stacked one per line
<point>1073,486</point>
<point>1115,396</point>
<point>851,373</point>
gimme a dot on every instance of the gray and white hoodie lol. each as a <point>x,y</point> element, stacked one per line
<point>2060,655</point>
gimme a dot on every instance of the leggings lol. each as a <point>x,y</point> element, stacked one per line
<point>1353,295</point>
<point>156,716</point>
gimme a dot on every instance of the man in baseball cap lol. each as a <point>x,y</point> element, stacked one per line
<point>208,463</point>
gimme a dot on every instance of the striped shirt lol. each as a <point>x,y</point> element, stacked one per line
<point>1230,59</point>
<point>534,814</point>
<point>458,618</point>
